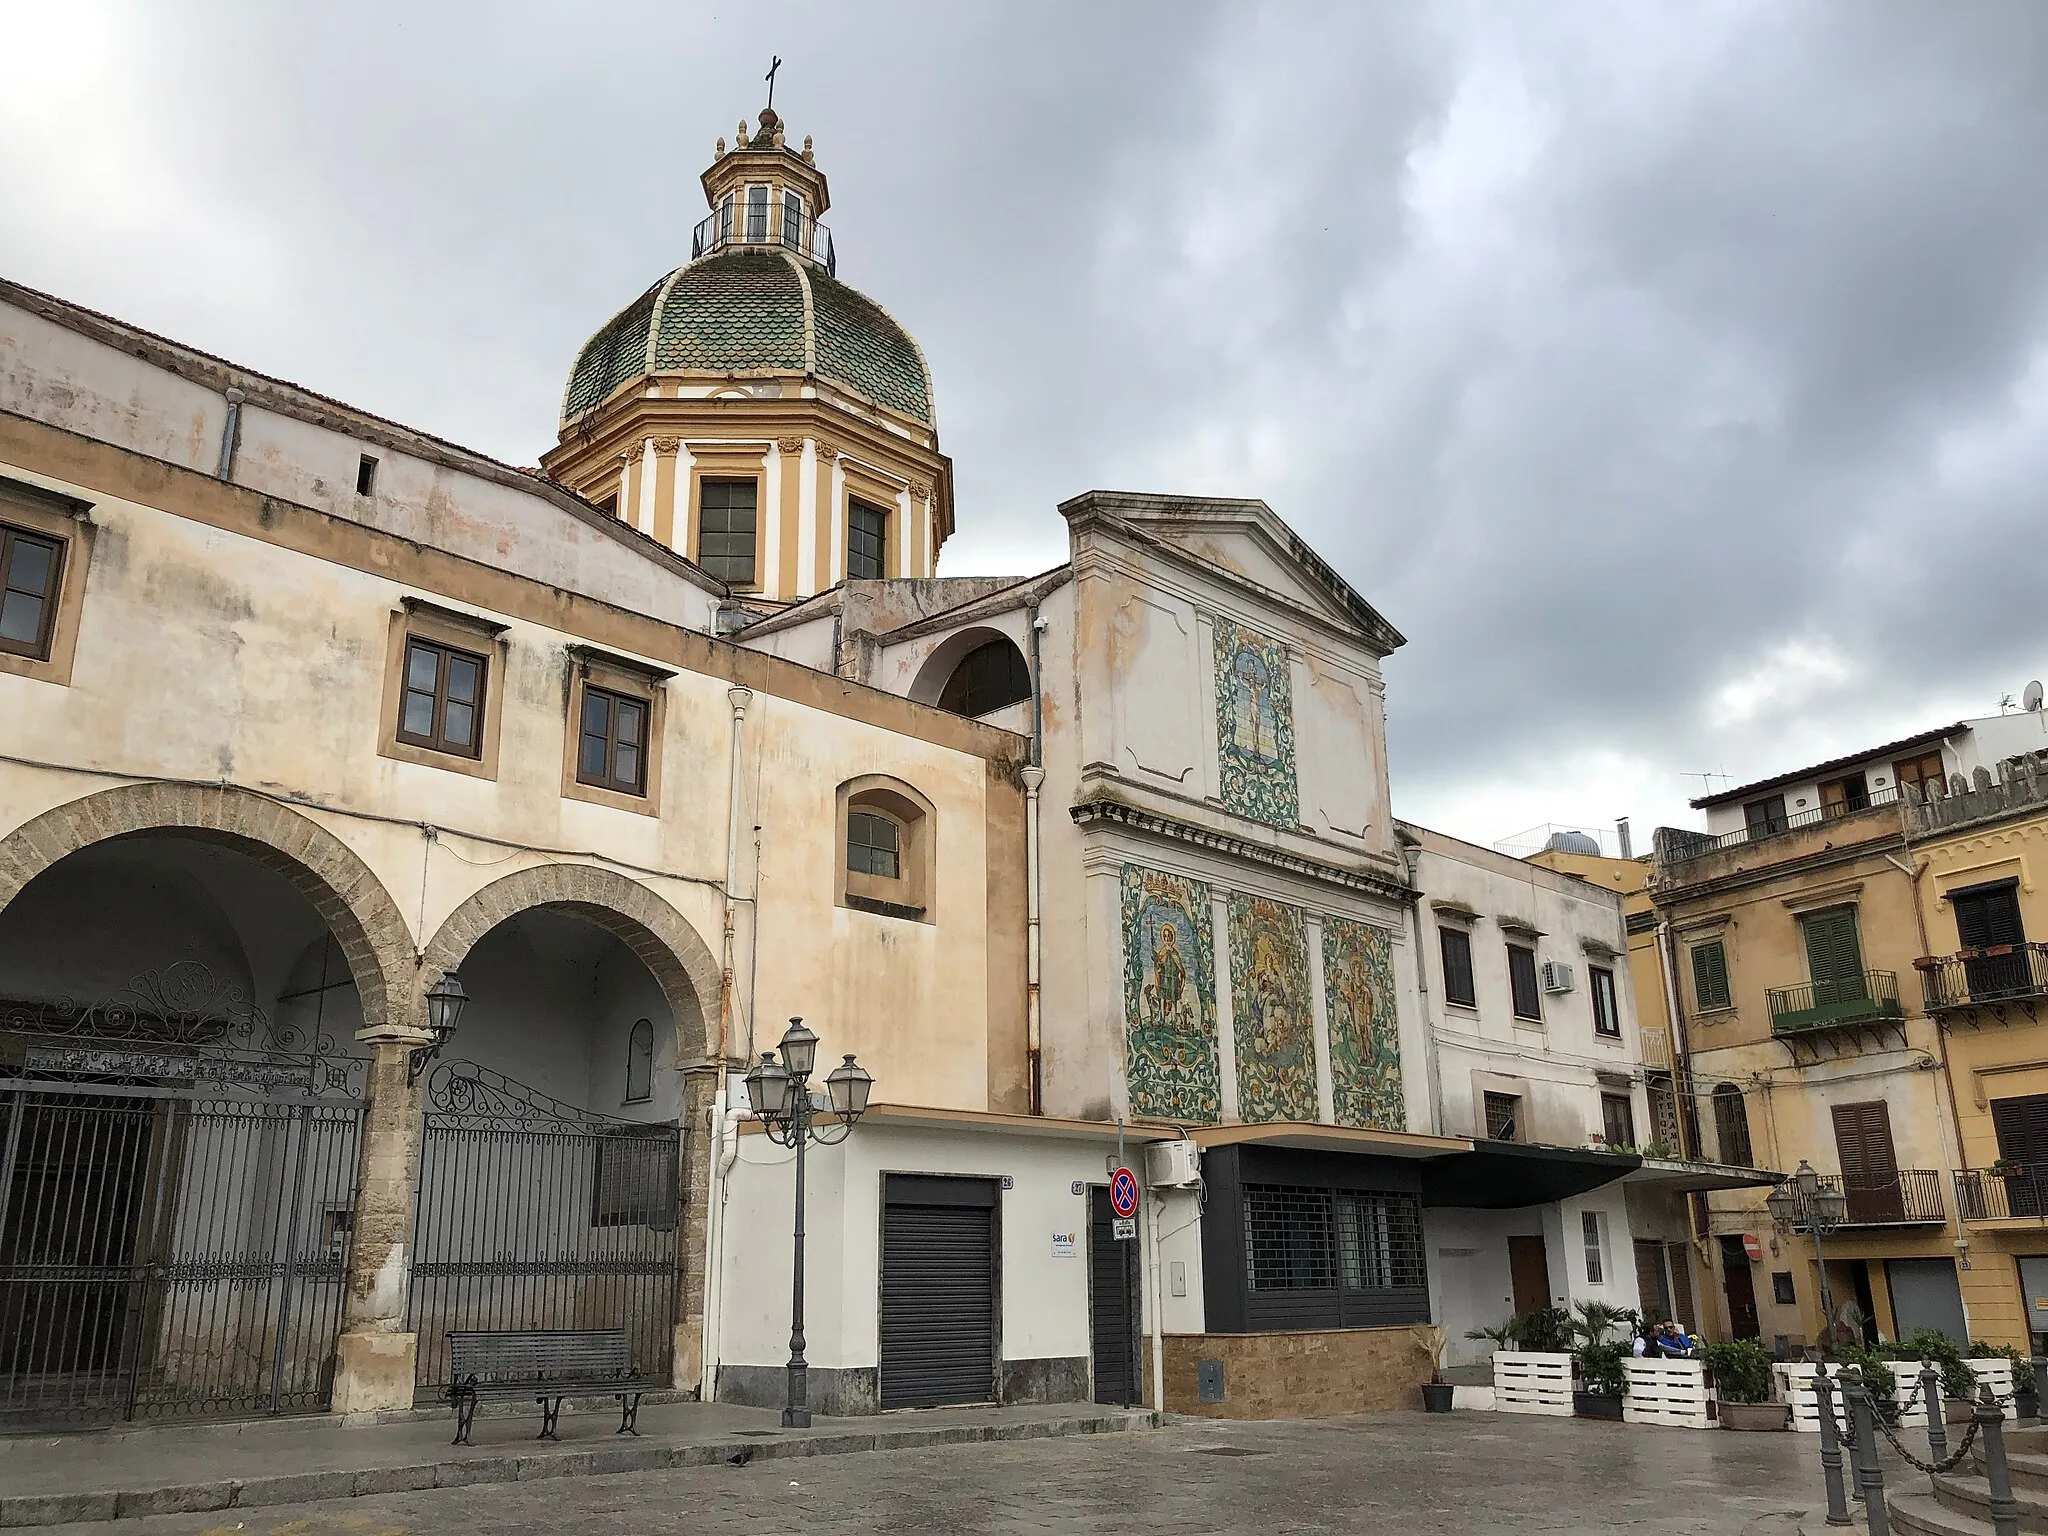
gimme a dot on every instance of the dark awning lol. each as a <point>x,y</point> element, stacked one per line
<point>1502,1175</point>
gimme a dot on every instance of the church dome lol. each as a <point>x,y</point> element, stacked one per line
<point>744,311</point>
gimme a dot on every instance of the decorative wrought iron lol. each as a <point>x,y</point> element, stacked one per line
<point>479,1099</point>
<point>181,1024</point>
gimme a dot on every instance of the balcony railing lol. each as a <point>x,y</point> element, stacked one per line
<point>1675,846</point>
<point>1861,999</point>
<point>765,225</point>
<point>1911,1197</point>
<point>2002,974</point>
<point>1656,1050</point>
<point>2015,1191</point>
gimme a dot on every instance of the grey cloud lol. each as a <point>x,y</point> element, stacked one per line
<point>1609,352</point>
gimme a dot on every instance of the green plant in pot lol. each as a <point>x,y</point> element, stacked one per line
<point>1546,1330</point>
<point>1602,1365</point>
<point>1741,1369</point>
<point>1958,1382</point>
<point>1436,1392</point>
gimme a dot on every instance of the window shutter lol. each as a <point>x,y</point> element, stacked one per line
<point>1863,1142</point>
<point>1832,951</point>
<point>1710,975</point>
<point>1988,918</point>
<point>2022,1128</point>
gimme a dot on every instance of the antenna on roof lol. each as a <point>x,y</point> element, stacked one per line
<point>1706,780</point>
<point>2031,699</point>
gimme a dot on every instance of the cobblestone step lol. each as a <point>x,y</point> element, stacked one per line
<point>1971,1496</point>
<point>1921,1514</point>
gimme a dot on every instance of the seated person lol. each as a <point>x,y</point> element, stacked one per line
<point>1673,1343</point>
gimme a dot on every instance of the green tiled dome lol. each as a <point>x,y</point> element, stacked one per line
<point>746,310</point>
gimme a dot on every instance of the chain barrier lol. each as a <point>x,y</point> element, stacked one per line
<point>1954,1460</point>
<point>1845,1429</point>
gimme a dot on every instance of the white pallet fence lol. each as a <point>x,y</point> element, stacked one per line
<point>1795,1386</point>
<point>1997,1373</point>
<point>1528,1382</point>
<point>1673,1393</point>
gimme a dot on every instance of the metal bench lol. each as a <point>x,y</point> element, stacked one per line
<point>549,1363</point>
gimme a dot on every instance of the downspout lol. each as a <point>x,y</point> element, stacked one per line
<point>229,434</point>
<point>721,1160</point>
<point>1681,1088</point>
<point>1158,1308</point>
<point>1915,871</point>
<point>1411,859</point>
<point>1034,779</point>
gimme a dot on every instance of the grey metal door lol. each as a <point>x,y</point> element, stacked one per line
<point>535,1213</point>
<point>1112,1304</point>
<point>1925,1295</point>
<point>938,1291</point>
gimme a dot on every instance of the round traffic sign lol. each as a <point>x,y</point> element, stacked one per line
<point>1123,1192</point>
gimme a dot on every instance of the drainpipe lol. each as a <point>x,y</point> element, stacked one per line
<point>1033,778</point>
<point>1681,1087</point>
<point>725,1151</point>
<point>714,1213</point>
<point>739,698</point>
<point>1915,871</point>
<point>1411,858</point>
<point>1158,1307</point>
<point>229,433</point>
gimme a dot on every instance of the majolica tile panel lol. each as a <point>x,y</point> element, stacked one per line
<point>1255,726</point>
<point>1365,1039</point>
<point>1270,1011</point>
<point>1169,997</point>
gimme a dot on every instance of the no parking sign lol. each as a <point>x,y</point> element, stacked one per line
<point>1123,1203</point>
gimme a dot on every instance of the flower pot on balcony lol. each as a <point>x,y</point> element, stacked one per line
<point>1755,1416</point>
<point>1597,1405</point>
<point>1436,1396</point>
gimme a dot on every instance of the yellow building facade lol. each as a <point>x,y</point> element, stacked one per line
<point>1830,1010</point>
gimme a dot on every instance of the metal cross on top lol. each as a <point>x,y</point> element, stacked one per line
<point>770,77</point>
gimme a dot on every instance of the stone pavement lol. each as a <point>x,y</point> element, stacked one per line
<point>1408,1473</point>
<point>123,1474</point>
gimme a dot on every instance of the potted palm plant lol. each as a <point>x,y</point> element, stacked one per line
<point>1602,1366</point>
<point>1741,1370</point>
<point>1436,1392</point>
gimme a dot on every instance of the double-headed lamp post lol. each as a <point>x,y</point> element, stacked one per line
<point>780,1093</point>
<point>1804,1201</point>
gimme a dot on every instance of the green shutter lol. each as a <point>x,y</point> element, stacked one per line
<point>1710,976</point>
<point>1834,958</point>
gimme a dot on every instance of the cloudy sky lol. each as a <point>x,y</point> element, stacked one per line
<point>1674,376</point>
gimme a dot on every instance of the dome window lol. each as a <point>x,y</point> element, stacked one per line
<point>793,220</point>
<point>990,677</point>
<point>757,214</point>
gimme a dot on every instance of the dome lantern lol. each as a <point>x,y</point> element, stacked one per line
<point>762,194</point>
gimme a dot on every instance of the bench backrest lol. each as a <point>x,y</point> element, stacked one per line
<point>540,1355</point>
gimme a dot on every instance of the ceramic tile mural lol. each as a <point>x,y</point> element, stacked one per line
<point>1255,726</point>
<point>1169,997</point>
<point>1365,1040</point>
<point>1270,1005</point>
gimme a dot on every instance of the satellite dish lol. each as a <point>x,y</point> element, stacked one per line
<point>2031,699</point>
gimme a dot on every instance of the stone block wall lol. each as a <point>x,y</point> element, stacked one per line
<point>1309,1375</point>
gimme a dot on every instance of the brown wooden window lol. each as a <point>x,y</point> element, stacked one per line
<point>1765,818</point>
<point>1841,797</point>
<point>1870,1168</point>
<point>727,513</point>
<point>30,568</point>
<point>866,541</point>
<point>1606,1017</point>
<point>1502,1110</point>
<point>1911,773</point>
<point>612,750</point>
<point>1522,982</point>
<point>1731,1125</point>
<point>873,845</point>
<point>1618,1119</point>
<point>1457,951</point>
<point>443,703</point>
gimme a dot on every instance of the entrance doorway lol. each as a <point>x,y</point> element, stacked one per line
<point>1529,1269</point>
<point>1112,1305</point>
<point>1925,1294</point>
<point>1738,1285</point>
<point>938,1312</point>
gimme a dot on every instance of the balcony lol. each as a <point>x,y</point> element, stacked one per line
<point>2002,982</point>
<point>2011,1192</point>
<point>1656,1050</point>
<point>765,227</point>
<point>1677,846</point>
<point>1910,1198</point>
<point>1826,1018</point>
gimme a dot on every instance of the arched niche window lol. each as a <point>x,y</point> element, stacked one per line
<point>640,1062</point>
<point>990,677</point>
<point>886,835</point>
<point>1731,1126</point>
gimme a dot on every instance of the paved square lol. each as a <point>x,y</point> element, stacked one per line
<point>1406,1473</point>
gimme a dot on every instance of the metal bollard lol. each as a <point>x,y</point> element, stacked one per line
<point>1869,1475</point>
<point>1830,1446</point>
<point>1937,1426</point>
<point>2005,1510</point>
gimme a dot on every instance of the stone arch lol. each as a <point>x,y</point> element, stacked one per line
<point>946,656</point>
<point>347,894</point>
<point>681,963</point>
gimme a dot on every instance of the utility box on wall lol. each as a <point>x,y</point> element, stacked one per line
<point>1209,1381</point>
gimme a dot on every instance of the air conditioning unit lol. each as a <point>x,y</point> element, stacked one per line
<point>1173,1165</point>
<point>1557,976</point>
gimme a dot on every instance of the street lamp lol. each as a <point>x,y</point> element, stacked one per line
<point>1804,1201</point>
<point>780,1093</point>
<point>445,1002</point>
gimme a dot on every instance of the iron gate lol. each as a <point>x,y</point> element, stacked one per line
<point>175,1195</point>
<point>534,1213</point>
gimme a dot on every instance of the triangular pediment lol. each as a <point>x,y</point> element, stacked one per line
<point>1244,543</point>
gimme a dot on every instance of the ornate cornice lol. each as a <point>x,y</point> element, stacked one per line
<point>790,444</point>
<point>920,491</point>
<point>1117,813</point>
<point>667,444</point>
<point>827,451</point>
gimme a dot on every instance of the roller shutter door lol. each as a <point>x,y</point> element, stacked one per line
<point>938,1310</point>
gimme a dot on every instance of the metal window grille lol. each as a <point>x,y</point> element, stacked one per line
<point>1596,1262</point>
<point>1379,1241</point>
<point>1287,1231</point>
<point>1501,1110</point>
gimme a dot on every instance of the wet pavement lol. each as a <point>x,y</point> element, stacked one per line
<point>1406,1473</point>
